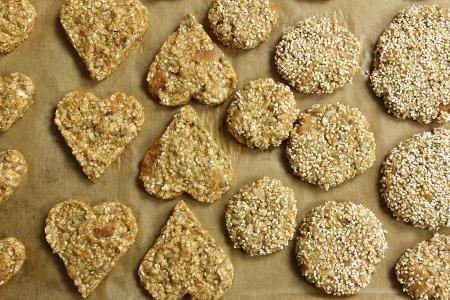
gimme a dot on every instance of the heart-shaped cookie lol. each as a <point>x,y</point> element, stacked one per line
<point>98,130</point>
<point>13,168</point>
<point>104,32</point>
<point>90,240</point>
<point>12,257</point>
<point>186,159</point>
<point>16,97</point>
<point>185,260</point>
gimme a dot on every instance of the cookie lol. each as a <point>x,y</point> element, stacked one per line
<point>262,113</point>
<point>13,168</point>
<point>415,180</point>
<point>424,271</point>
<point>242,24</point>
<point>338,247</point>
<point>98,130</point>
<point>186,159</point>
<point>189,65</point>
<point>12,257</point>
<point>16,97</point>
<point>412,65</point>
<point>16,22</point>
<point>260,218</point>
<point>185,260</point>
<point>104,32</point>
<point>331,143</point>
<point>90,240</point>
<point>317,56</point>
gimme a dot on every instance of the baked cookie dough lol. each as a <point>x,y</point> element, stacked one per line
<point>338,247</point>
<point>331,143</point>
<point>12,257</point>
<point>412,64</point>
<point>262,113</point>
<point>13,168</point>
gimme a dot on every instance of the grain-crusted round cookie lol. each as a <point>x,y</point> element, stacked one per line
<point>412,64</point>
<point>338,247</point>
<point>242,24</point>
<point>330,144</point>
<point>415,180</point>
<point>424,271</point>
<point>260,218</point>
<point>317,56</point>
<point>262,113</point>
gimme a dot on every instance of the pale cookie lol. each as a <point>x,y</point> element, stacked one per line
<point>424,271</point>
<point>330,144</point>
<point>261,217</point>
<point>412,65</point>
<point>186,159</point>
<point>189,65</point>
<point>317,56</point>
<point>13,168</point>
<point>415,180</point>
<point>338,247</point>
<point>262,113</point>
<point>242,24</point>
<point>104,32</point>
<point>90,240</point>
<point>16,22</point>
<point>185,260</point>
<point>98,130</point>
<point>12,257</point>
<point>16,97</point>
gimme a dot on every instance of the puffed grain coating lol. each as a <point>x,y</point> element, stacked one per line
<point>424,271</point>
<point>415,181</point>
<point>412,65</point>
<point>186,159</point>
<point>13,168</point>
<point>16,97</point>
<point>16,23</point>
<point>98,130</point>
<point>185,260</point>
<point>189,65</point>
<point>338,247</point>
<point>104,32</point>
<point>90,240</point>
<point>12,257</point>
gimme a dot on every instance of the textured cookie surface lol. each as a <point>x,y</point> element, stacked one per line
<point>330,144</point>
<point>424,271</point>
<point>262,114</point>
<point>90,240</point>
<point>16,22</point>
<point>98,130</point>
<point>339,245</point>
<point>412,64</point>
<point>13,167</point>
<point>16,97</point>
<point>317,56</point>
<point>185,260</point>
<point>186,159</point>
<point>12,257</point>
<point>260,218</point>
<point>103,32</point>
<point>189,65</point>
<point>242,24</point>
<point>415,180</point>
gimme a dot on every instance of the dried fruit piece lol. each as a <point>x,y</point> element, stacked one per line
<point>13,168</point>
<point>12,257</point>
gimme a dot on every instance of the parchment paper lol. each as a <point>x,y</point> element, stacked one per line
<point>55,176</point>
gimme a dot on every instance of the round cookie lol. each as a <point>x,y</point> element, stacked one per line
<point>424,271</point>
<point>317,56</point>
<point>415,180</point>
<point>242,24</point>
<point>262,113</point>
<point>412,65</point>
<point>338,247</point>
<point>331,143</point>
<point>260,218</point>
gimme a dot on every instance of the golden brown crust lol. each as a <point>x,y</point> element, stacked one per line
<point>13,168</point>
<point>12,257</point>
